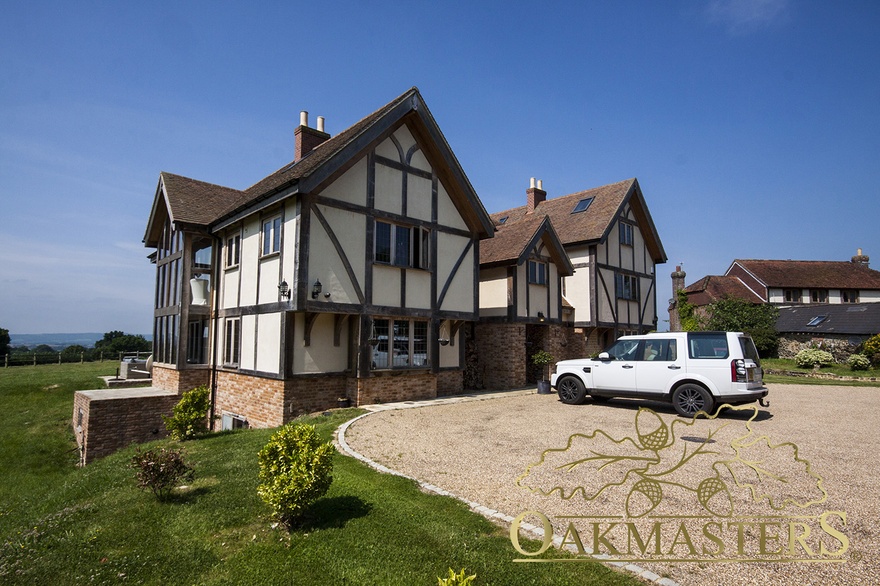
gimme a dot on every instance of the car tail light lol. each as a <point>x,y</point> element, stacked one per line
<point>738,371</point>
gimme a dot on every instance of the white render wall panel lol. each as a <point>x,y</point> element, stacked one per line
<point>270,277</point>
<point>460,295</point>
<point>320,355</point>
<point>418,289</point>
<point>351,187</point>
<point>230,288</point>
<point>386,285</point>
<point>493,292</point>
<point>250,254</point>
<point>248,342</point>
<point>268,342</point>
<point>325,262</point>
<point>389,189</point>
<point>447,213</point>
<point>418,197</point>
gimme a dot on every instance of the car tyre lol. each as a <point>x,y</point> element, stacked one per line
<point>571,390</point>
<point>689,399</point>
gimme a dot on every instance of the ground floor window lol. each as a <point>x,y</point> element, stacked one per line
<point>232,346</point>
<point>197,342</point>
<point>399,343</point>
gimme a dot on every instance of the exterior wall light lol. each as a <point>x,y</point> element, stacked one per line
<point>284,290</point>
<point>540,316</point>
<point>316,289</point>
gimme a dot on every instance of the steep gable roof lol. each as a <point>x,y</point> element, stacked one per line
<point>715,288</point>
<point>846,319</point>
<point>213,206</point>
<point>803,274</point>
<point>593,224</point>
<point>513,242</point>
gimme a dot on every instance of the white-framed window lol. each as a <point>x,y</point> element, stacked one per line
<point>627,287</point>
<point>819,295</point>
<point>233,250</point>
<point>232,346</point>
<point>272,235</point>
<point>537,272</point>
<point>403,246</point>
<point>626,234</point>
<point>792,295</point>
<point>399,343</point>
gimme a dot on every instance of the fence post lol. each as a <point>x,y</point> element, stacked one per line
<point>35,358</point>
<point>6,361</point>
<point>81,357</point>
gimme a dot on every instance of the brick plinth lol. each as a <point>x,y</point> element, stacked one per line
<point>106,421</point>
<point>450,382</point>
<point>392,387</point>
<point>501,358</point>
<point>179,381</point>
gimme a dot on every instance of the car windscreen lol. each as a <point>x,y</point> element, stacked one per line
<point>624,350</point>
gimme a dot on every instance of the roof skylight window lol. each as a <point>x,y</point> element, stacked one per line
<point>817,320</point>
<point>502,220</point>
<point>582,205</point>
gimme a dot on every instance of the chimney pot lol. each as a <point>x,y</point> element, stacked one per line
<point>532,183</point>
<point>534,195</point>
<point>303,118</point>
<point>540,184</point>
<point>307,139</point>
<point>320,124</point>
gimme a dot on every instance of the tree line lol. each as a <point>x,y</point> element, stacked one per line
<point>110,347</point>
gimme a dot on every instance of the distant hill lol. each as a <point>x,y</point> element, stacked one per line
<point>58,341</point>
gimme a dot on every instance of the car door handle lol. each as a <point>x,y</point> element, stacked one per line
<point>673,367</point>
<point>627,366</point>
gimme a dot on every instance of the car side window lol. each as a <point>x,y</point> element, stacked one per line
<point>624,350</point>
<point>708,345</point>
<point>660,350</point>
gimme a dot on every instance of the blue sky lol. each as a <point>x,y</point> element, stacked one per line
<point>753,126</point>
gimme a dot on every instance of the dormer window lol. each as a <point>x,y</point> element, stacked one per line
<point>582,205</point>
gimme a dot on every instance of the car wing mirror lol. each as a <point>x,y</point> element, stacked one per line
<point>604,356</point>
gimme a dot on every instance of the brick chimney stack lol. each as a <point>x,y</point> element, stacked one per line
<point>861,259</point>
<point>535,195</point>
<point>677,285</point>
<point>305,138</point>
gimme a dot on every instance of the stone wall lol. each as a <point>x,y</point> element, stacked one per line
<point>841,347</point>
<point>108,420</point>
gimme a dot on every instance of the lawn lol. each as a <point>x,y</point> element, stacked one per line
<point>784,365</point>
<point>60,523</point>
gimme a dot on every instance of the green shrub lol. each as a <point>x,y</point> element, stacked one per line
<point>811,357</point>
<point>295,471</point>
<point>161,470</point>
<point>454,579</point>
<point>858,362</point>
<point>871,349</point>
<point>190,416</point>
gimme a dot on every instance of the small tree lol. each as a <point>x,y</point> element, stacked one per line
<point>542,359</point>
<point>871,349</point>
<point>756,319</point>
<point>295,471</point>
<point>4,342</point>
<point>189,417</point>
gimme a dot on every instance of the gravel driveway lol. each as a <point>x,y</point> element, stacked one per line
<point>479,449</point>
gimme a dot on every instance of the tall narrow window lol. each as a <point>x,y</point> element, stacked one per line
<point>233,250</point>
<point>272,235</point>
<point>626,234</point>
<point>232,347</point>
<point>401,246</point>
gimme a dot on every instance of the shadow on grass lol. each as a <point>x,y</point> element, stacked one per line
<point>334,513</point>
<point>184,496</point>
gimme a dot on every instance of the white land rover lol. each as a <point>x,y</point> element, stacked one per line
<point>695,371</point>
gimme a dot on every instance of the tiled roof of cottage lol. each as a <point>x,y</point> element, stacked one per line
<point>816,274</point>
<point>510,242</point>
<point>715,287</point>
<point>594,223</point>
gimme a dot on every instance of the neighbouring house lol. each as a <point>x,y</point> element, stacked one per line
<point>832,304</point>
<point>837,328</point>
<point>345,275</point>
<point>568,275</point>
<point>791,282</point>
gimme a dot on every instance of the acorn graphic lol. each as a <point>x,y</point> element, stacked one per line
<point>714,496</point>
<point>644,496</point>
<point>653,432</point>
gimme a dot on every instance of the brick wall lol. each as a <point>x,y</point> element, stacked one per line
<point>450,382</point>
<point>259,400</point>
<point>390,387</point>
<point>108,420</point>
<point>499,348</point>
<point>179,381</point>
